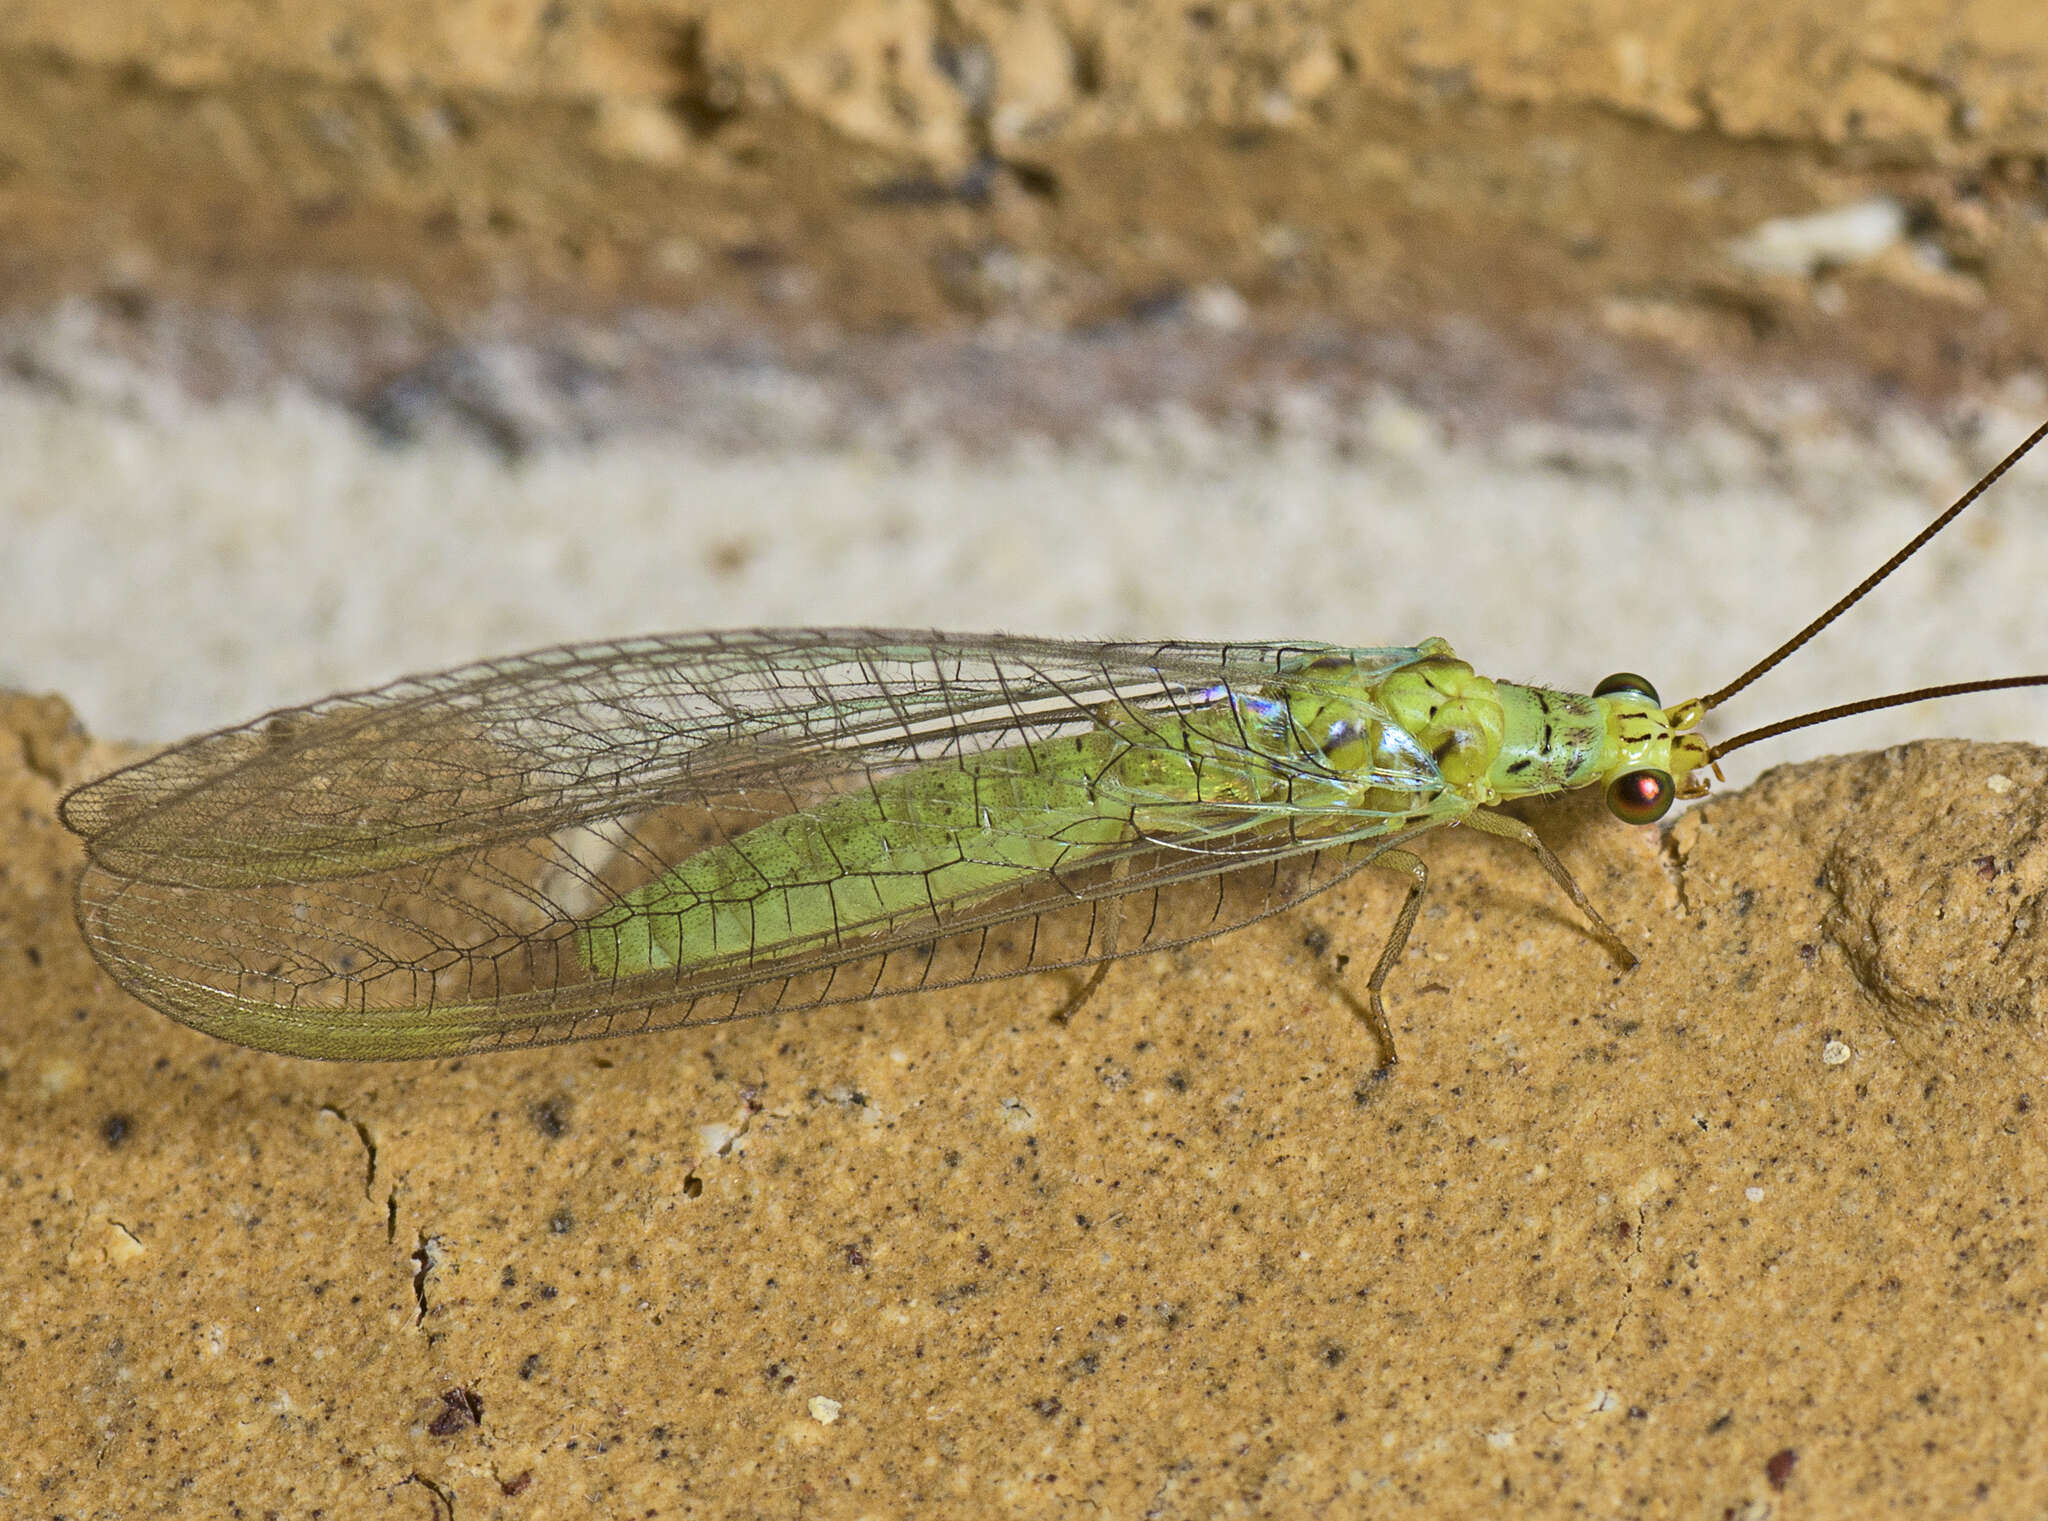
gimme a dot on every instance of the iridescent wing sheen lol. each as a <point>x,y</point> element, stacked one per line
<point>402,872</point>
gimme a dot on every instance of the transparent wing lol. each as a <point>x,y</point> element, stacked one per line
<point>408,871</point>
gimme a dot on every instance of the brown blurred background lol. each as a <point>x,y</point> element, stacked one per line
<point>1540,208</point>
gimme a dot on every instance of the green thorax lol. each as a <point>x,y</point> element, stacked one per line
<point>1494,740</point>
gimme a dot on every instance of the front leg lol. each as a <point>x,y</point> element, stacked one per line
<point>1522,834</point>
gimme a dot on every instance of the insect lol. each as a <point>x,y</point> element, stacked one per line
<point>604,839</point>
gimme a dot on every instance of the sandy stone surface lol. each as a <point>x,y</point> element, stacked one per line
<point>1748,1231</point>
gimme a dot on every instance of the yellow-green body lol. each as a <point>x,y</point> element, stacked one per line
<point>1340,747</point>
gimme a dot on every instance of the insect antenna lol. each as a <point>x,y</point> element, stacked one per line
<point>1871,705</point>
<point>1862,589</point>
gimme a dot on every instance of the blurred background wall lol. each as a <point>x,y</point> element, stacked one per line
<point>338,339</point>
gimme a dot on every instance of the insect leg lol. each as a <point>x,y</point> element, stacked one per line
<point>1411,866</point>
<point>1103,945</point>
<point>1522,834</point>
<point>1073,1005</point>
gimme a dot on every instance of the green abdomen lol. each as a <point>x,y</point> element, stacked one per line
<point>949,833</point>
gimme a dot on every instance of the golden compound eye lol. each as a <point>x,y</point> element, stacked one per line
<point>1641,797</point>
<point>1630,682</point>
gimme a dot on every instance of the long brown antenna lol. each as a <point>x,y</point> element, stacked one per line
<point>1863,589</point>
<point>1871,705</point>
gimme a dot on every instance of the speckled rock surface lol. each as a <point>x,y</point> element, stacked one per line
<point>1748,1229</point>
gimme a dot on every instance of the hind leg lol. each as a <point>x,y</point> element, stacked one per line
<point>1411,866</point>
<point>1102,944</point>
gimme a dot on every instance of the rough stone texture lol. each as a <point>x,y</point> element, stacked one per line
<point>1537,207</point>
<point>1750,1230</point>
<point>1747,1231</point>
